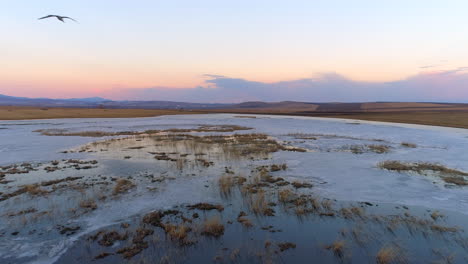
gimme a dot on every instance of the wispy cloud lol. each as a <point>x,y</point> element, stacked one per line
<point>213,76</point>
<point>429,66</point>
<point>450,86</point>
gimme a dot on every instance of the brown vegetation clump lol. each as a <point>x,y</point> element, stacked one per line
<point>108,239</point>
<point>379,149</point>
<point>436,214</point>
<point>206,207</point>
<point>447,174</point>
<point>88,204</point>
<point>285,195</point>
<point>408,145</point>
<point>240,180</point>
<point>226,183</point>
<point>298,185</point>
<point>286,245</point>
<point>205,128</point>
<point>419,167</point>
<point>62,132</point>
<point>360,149</point>
<point>122,185</point>
<point>138,243</point>
<point>351,212</point>
<point>155,218</point>
<point>357,211</point>
<point>241,218</point>
<point>278,167</point>
<point>389,254</point>
<point>356,149</point>
<point>443,229</point>
<point>455,180</point>
<point>295,149</point>
<point>129,252</point>
<point>140,235</point>
<point>346,213</point>
<point>337,248</point>
<point>68,230</point>
<point>259,204</point>
<point>52,182</point>
<point>213,227</point>
<point>302,136</point>
<point>327,214</point>
<point>178,233</point>
<point>23,212</point>
<point>102,255</point>
<point>34,190</point>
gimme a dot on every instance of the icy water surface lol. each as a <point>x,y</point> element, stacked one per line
<point>307,188</point>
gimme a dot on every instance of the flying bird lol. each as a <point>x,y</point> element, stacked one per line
<point>61,18</point>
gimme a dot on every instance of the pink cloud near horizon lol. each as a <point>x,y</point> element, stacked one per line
<point>443,86</point>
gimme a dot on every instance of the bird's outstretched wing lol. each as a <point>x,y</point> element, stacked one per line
<point>70,18</point>
<point>46,17</point>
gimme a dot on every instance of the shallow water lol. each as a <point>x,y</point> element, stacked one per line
<point>329,164</point>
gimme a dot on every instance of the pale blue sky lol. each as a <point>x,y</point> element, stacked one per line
<point>141,43</point>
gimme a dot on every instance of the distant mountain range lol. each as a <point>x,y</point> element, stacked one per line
<point>246,107</point>
<point>98,102</point>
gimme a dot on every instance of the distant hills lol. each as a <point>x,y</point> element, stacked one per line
<point>98,102</point>
<point>245,107</point>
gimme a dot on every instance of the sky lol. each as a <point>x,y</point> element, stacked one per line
<point>234,51</point>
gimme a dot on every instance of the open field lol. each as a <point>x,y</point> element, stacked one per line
<point>446,119</point>
<point>22,113</point>
<point>458,119</point>
<point>410,113</point>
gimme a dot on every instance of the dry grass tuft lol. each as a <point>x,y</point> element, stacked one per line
<point>178,233</point>
<point>436,214</point>
<point>206,207</point>
<point>259,204</point>
<point>241,218</point>
<point>102,255</point>
<point>455,180</point>
<point>408,145</point>
<point>226,182</point>
<point>379,149</point>
<point>88,204</point>
<point>109,238</point>
<point>327,204</point>
<point>443,229</point>
<point>447,174</point>
<point>298,185</point>
<point>357,211</point>
<point>351,212</point>
<point>123,185</point>
<point>337,248</point>
<point>213,227</point>
<point>278,167</point>
<point>389,254</point>
<point>360,149</point>
<point>285,195</point>
<point>286,246</point>
<point>34,190</point>
<point>419,167</point>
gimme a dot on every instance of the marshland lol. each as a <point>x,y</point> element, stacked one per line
<point>230,188</point>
